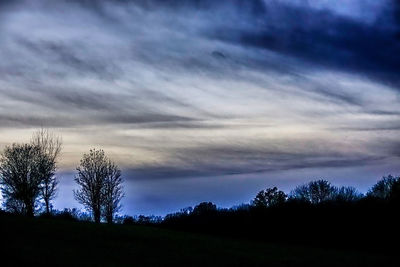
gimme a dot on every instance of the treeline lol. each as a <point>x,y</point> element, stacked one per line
<point>316,212</point>
<point>315,194</point>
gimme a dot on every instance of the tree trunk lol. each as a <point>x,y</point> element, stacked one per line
<point>96,215</point>
<point>47,206</point>
<point>29,209</point>
<point>109,219</point>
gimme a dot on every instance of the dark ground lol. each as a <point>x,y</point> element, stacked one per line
<point>54,242</point>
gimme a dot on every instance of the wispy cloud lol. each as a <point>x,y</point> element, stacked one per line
<point>178,89</point>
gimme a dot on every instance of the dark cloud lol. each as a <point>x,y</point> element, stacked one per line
<point>182,123</point>
<point>27,120</point>
<point>318,36</point>
<point>243,159</point>
<point>148,119</point>
<point>323,38</point>
<point>207,170</point>
<point>94,108</point>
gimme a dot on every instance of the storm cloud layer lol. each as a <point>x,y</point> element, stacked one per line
<point>181,90</point>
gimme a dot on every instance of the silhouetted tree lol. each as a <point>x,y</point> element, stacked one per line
<point>14,206</point>
<point>204,208</point>
<point>147,220</point>
<point>91,176</point>
<point>67,214</point>
<point>241,207</point>
<point>128,220</point>
<point>50,145</point>
<point>301,193</point>
<point>314,192</point>
<point>21,169</point>
<point>383,188</point>
<point>100,185</point>
<point>112,192</point>
<point>395,191</point>
<point>269,197</point>
<point>321,190</point>
<point>186,211</point>
<point>347,194</point>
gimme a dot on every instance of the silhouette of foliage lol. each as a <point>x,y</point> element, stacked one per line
<point>21,176</point>
<point>300,193</point>
<point>112,192</point>
<point>347,194</point>
<point>128,220</point>
<point>15,206</point>
<point>50,145</point>
<point>204,208</point>
<point>269,197</point>
<point>142,220</point>
<point>100,185</point>
<point>314,192</point>
<point>91,175</point>
<point>383,188</point>
<point>67,214</point>
<point>395,192</point>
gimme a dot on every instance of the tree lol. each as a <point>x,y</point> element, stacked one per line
<point>100,185</point>
<point>269,197</point>
<point>21,167</point>
<point>300,193</point>
<point>383,188</point>
<point>204,208</point>
<point>112,192</point>
<point>14,206</point>
<point>314,192</point>
<point>186,211</point>
<point>320,191</point>
<point>395,191</point>
<point>91,176</point>
<point>50,145</point>
<point>347,194</point>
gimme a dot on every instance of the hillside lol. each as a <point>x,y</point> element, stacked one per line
<point>50,242</point>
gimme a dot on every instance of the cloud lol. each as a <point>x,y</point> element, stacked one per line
<point>187,89</point>
<point>323,38</point>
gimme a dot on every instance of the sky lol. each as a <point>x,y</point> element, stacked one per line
<point>203,100</point>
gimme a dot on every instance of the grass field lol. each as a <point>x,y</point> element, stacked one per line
<point>49,242</point>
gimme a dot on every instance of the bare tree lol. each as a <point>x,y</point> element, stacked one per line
<point>314,192</point>
<point>20,176</point>
<point>112,192</point>
<point>50,145</point>
<point>347,194</point>
<point>100,185</point>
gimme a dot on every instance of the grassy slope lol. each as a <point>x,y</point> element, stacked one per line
<point>49,242</point>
